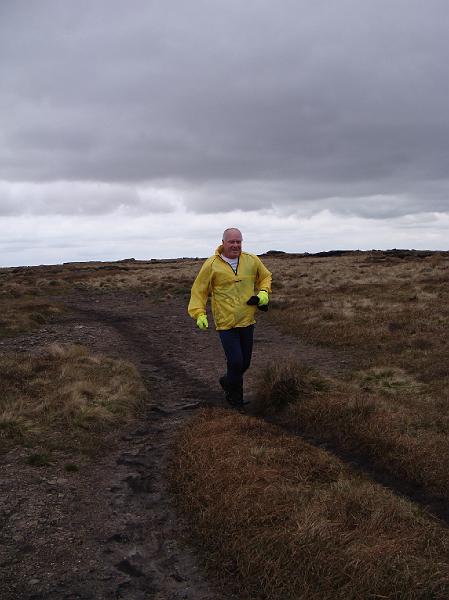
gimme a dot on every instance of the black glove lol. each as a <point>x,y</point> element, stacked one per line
<point>254,301</point>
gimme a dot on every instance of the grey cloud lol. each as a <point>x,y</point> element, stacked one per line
<point>75,198</point>
<point>364,199</point>
<point>239,105</point>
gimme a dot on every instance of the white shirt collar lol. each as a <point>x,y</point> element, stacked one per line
<point>232,261</point>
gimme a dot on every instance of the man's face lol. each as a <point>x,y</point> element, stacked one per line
<point>232,244</point>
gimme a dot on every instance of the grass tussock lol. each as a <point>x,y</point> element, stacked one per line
<point>25,298</point>
<point>283,519</point>
<point>284,384</point>
<point>386,436</point>
<point>390,313</point>
<point>372,416</point>
<point>65,398</point>
<point>24,314</point>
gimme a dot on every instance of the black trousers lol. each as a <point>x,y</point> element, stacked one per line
<point>238,347</point>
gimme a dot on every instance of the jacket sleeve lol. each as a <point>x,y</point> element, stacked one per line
<point>200,291</point>
<point>263,280</point>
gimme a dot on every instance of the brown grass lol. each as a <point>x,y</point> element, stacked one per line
<point>388,313</point>
<point>156,279</point>
<point>377,417</point>
<point>27,294</point>
<point>392,316</point>
<point>25,314</point>
<point>65,398</point>
<point>23,303</point>
<point>288,520</point>
<point>284,384</point>
<point>283,519</point>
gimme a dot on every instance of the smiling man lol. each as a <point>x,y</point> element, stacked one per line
<point>237,282</point>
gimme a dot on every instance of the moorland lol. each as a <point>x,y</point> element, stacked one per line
<point>125,475</point>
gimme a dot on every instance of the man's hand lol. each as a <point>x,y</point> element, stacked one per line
<point>263,298</point>
<point>260,300</point>
<point>202,322</point>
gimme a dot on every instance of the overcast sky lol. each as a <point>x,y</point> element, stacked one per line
<point>144,128</point>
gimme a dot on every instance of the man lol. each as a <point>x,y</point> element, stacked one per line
<point>237,282</point>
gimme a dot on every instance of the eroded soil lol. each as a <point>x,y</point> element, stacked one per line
<point>110,529</point>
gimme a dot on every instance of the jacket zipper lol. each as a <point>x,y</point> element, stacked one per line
<point>230,266</point>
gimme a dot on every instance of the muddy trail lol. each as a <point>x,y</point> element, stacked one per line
<point>110,530</point>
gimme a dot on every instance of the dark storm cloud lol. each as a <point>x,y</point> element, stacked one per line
<point>293,103</point>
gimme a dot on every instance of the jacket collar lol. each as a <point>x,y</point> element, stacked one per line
<point>219,251</point>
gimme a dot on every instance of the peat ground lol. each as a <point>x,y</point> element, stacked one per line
<point>110,529</point>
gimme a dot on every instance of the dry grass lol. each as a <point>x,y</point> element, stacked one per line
<point>392,315</point>
<point>379,423</point>
<point>388,313</point>
<point>158,280</point>
<point>24,305</point>
<point>283,385</point>
<point>27,294</point>
<point>282,519</point>
<point>65,398</point>
<point>154,277</point>
<point>25,314</point>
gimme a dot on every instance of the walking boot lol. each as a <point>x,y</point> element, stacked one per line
<point>236,396</point>
<point>225,385</point>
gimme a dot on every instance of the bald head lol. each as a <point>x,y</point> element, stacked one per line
<point>231,232</point>
<point>232,242</point>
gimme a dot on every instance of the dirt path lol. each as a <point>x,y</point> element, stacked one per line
<point>110,531</point>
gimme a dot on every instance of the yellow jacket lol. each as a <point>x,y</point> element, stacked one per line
<point>229,291</point>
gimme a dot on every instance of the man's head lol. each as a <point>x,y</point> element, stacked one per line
<point>232,243</point>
